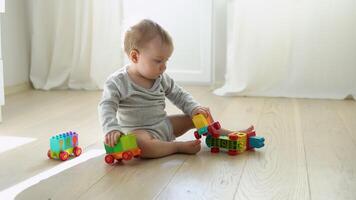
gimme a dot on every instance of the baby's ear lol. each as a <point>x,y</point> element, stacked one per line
<point>134,54</point>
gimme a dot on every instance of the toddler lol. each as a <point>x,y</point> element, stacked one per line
<point>137,93</point>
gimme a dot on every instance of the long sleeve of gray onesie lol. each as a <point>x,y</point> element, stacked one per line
<point>127,106</point>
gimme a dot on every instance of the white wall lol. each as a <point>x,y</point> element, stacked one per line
<point>189,23</point>
<point>219,41</point>
<point>15,43</point>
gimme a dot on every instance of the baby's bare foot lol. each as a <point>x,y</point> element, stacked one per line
<point>223,131</point>
<point>189,147</point>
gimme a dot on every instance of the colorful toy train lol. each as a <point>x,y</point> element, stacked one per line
<point>63,145</point>
<point>234,143</point>
<point>125,149</point>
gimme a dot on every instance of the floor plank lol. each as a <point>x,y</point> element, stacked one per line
<point>136,180</point>
<point>347,112</point>
<point>330,151</point>
<point>279,171</point>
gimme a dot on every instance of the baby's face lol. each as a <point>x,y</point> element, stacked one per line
<point>153,58</point>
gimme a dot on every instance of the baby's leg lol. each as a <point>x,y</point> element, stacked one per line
<point>154,148</point>
<point>181,124</point>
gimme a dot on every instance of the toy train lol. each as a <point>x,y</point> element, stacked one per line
<point>63,145</point>
<point>125,149</point>
<point>234,143</point>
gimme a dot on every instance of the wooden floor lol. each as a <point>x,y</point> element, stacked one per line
<point>310,152</point>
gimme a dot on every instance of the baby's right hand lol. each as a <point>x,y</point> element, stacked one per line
<point>112,137</point>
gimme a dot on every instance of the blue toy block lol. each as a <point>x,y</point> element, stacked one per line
<point>256,142</point>
<point>63,141</point>
<point>203,130</point>
<point>63,145</point>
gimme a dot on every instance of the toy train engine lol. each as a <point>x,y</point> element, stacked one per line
<point>125,149</point>
<point>63,145</point>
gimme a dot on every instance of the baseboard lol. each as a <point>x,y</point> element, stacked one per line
<point>17,88</point>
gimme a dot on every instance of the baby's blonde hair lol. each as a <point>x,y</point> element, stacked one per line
<point>138,35</point>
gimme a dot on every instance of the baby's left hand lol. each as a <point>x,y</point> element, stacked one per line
<point>201,110</point>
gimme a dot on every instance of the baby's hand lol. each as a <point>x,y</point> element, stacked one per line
<point>201,110</point>
<point>112,137</point>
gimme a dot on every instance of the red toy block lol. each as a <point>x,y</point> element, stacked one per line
<point>217,125</point>
<point>233,136</point>
<point>250,134</point>
<point>213,132</point>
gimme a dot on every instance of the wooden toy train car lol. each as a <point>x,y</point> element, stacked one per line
<point>125,149</point>
<point>63,145</point>
<point>234,143</point>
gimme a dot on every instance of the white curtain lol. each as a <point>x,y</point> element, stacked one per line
<point>74,44</point>
<point>291,48</point>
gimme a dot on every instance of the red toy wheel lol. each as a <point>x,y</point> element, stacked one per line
<point>217,125</point>
<point>63,156</point>
<point>77,151</point>
<point>214,150</point>
<point>49,154</point>
<point>196,135</point>
<point>127,155</point>
<point>232,152</point>
<point>109,159</point>
<point>233,136</point>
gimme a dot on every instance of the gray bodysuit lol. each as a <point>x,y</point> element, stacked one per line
<point>141,108</point>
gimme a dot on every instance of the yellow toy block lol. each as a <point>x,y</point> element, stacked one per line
<point>200,121</point>
<point>241,141</point>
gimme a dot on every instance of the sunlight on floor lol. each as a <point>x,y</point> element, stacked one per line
<point>12,192</point>
<point>8,142</point>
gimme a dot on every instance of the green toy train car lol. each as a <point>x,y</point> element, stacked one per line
<point>125,149</point>
<point>235,143</point>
